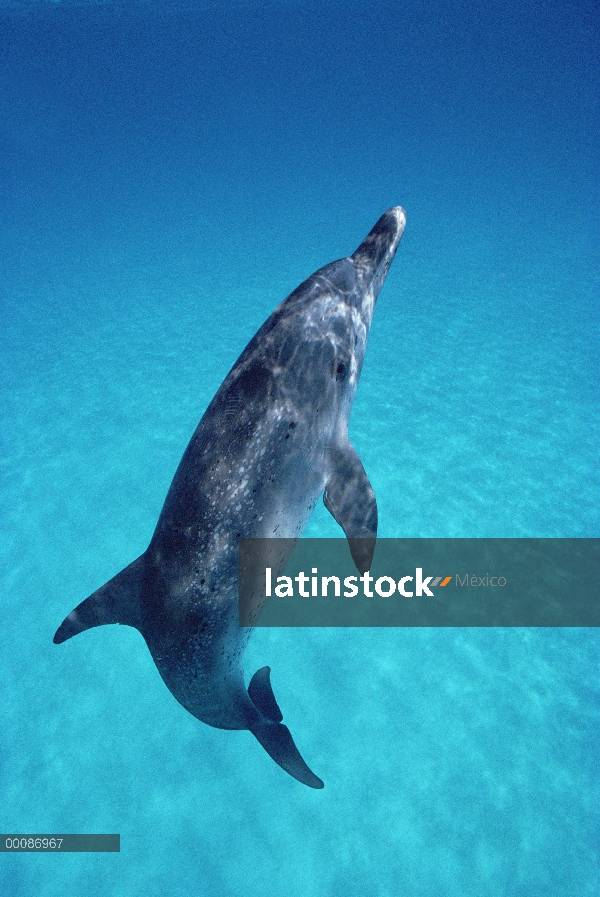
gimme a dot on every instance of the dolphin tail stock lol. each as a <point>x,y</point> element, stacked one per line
<point>276,738</point>
<point>118,601</point>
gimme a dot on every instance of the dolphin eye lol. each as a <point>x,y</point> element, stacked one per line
<point>340,371</point>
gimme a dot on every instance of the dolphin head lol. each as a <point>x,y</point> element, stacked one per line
<point>322,327</point>
<point>307,357</point>
<point>354,286</point>
<point>373,258</point>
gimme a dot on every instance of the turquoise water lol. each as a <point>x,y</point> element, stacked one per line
<point>169,174</point>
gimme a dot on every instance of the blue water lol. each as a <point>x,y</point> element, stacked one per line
<point>169,173</point>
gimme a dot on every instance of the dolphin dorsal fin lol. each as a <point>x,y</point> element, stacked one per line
<point>116,602</point>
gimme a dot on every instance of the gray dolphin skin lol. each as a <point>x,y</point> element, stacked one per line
<point>273,439</point>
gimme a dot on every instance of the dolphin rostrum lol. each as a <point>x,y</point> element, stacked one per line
<point>273,439</point>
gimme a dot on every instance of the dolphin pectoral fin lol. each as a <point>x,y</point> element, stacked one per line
<point>116,602</point>
<point>276,738</point>
<point>350,499</point>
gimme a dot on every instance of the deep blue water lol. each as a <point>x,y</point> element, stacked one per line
<point>169,173</point>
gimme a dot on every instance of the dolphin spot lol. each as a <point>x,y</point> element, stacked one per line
<point>340,372</point>
<point>253,380</point>
<point>196,622</point>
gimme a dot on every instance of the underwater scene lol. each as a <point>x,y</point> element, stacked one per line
<point>170,171</point>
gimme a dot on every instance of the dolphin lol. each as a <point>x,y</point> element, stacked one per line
<point>273,439</point>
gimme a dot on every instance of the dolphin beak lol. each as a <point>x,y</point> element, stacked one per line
<point>375,254</point>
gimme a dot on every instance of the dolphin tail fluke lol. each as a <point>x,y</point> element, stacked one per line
<point>261,695</point>
<point>116,602</point>
<point>273,735</point>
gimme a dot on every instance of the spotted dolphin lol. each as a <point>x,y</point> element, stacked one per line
<point>273,439</point>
